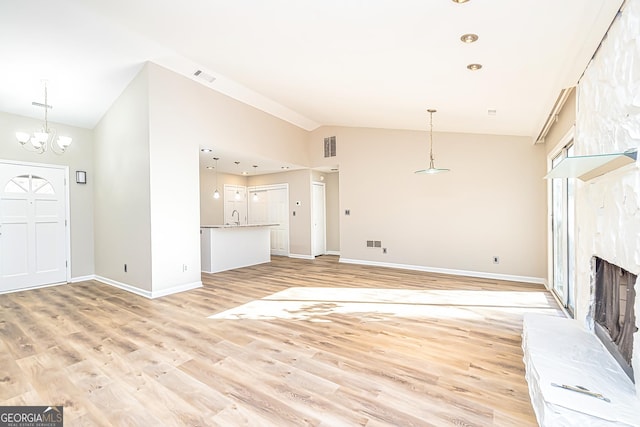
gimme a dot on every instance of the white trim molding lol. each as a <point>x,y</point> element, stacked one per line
<point>83,278</point>
<point>298,256</point>
<point>124,287</point>
<point>149,294</point>
<point>176,289</point>
<point>466,273</point>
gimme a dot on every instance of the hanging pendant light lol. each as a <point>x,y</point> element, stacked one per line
<point>237,196</point>
<point>216,194</point>
<point>255,193</point>
<point>432,169</point>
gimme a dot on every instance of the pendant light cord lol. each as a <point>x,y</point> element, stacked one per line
<point>46,108</point>
<point>431,166</point>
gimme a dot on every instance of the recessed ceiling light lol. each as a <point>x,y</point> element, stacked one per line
<point>474,67</point>
<point>460,1</point>
<point>245,173</point>
<point>209,167</point>
<point>284,167</point>
<point>492,112</point>
<point>206,150</point>
<point>469,38</point>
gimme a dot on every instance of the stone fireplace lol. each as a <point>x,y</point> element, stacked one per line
<point>561,353</point>
<point>608,207</point>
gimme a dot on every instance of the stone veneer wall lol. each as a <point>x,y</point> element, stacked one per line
<point>608,121</point>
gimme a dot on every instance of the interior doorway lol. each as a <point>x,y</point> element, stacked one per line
<point>34,235</point>
<point>318,219</point>
<point>269,204</point>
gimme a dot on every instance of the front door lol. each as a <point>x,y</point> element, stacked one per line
<point>33,233</point>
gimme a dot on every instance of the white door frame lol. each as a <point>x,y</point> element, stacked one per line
<point>565,141</point>
<point>315,211</point>
<point>67,208</point>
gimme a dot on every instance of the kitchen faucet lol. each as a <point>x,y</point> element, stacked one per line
<point>236,212</point>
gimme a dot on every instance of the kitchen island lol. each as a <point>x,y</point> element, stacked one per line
<point>225,247</point>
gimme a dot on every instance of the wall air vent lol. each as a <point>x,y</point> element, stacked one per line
<point>204,76</point>
<point>330,146</point>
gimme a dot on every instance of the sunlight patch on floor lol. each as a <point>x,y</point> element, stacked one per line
<point>373,304</point>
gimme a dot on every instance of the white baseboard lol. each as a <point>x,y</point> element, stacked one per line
<point>176,289</point>
<point>301,256</point>
<point>82,278</point>
<point>125,287</point>
<point>149,294</point>
<point>311,256</point>
<point>466,273</point>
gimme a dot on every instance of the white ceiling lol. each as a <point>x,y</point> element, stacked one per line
<point>370,63</point>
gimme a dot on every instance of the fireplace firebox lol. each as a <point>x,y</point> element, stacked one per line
<point>613,311</point>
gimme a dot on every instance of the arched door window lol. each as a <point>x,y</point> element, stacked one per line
<point>28,184</point>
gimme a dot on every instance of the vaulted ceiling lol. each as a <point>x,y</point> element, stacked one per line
<point>371,63</point>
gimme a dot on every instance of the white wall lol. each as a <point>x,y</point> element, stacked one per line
<point>148,198</point>
<point>78,157</point>
<point>608,121</point>
<point>214,120</point>
<point>122,189</point>
<point>491,203</point>
<point>174,189</point>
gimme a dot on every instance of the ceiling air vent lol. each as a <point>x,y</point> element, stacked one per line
<point>204,76</point>
<point>330,146</point>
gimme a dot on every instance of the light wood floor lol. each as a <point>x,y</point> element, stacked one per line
<point>293,342</point>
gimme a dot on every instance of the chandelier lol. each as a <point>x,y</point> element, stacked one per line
<point>432,169</point>
<point>41,139</point>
